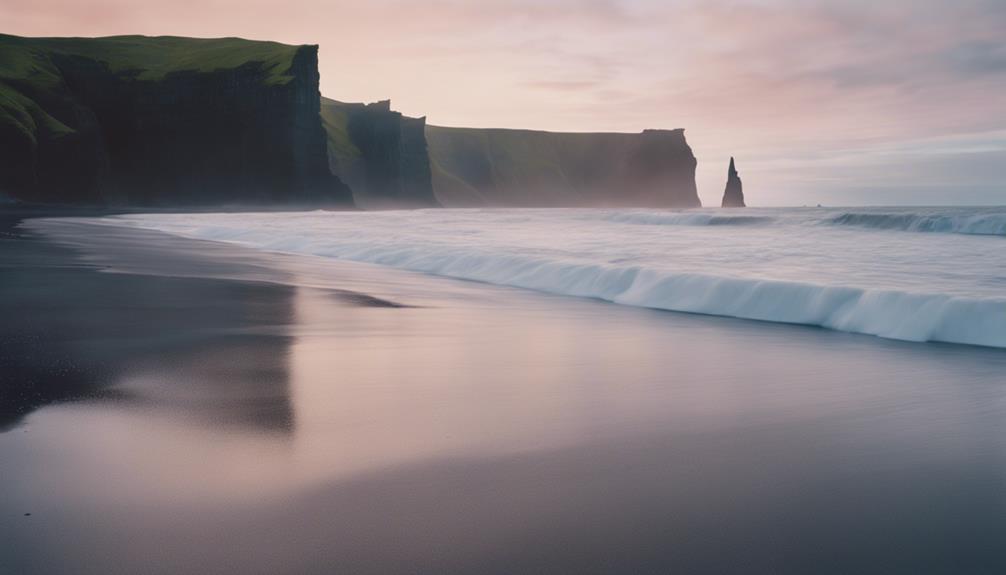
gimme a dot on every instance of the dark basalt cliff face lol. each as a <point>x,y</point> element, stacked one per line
<point>733,195</point>
<point>162,121</point>
<point>167,121</point>
<point>380,153</point>
<point>496,167</point>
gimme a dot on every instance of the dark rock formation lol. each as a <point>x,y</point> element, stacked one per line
<point>380,153</point>
<point>475,167</point>
<point>733,196</point>
<point>133,120</point>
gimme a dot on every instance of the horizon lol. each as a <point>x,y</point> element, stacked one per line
<point>823,102</point>
<point>480,286</point>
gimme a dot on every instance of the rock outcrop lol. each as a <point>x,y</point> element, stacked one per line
<point>380,153</point>
<point>134,120</point>
<point>168,121</point>
<point>733,195</point>
<point>497,167</point>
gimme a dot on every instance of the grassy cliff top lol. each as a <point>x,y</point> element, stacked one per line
<point>27,68</point>
<point>516,152</point>
<point>149,57</point>
<point>476,166</point>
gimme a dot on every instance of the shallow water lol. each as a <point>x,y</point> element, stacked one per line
<point>248,414</point>
<point>918,274</point>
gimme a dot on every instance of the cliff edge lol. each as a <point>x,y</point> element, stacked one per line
<point>501,167</point>
<point>169,121</point>
<point>380,153</point>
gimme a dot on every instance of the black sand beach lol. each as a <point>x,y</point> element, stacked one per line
<point>175,406</point>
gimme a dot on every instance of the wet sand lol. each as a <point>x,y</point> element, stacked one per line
<point>175,406</point>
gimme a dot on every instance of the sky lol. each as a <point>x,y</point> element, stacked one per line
<point>834,102</point>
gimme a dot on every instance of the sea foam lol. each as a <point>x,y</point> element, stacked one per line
<point>914,287</point>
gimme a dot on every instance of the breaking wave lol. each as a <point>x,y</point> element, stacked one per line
<point>889,314</point>
<point>894,314</point>
<point>973,224</point>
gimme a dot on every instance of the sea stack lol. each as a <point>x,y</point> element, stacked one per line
<point>733,196</point>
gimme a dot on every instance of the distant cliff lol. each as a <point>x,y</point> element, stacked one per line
<point>497,167</point>
<point>390,161</point>
<point>168,121</point>
<point>733,194</point>
<point>381,154</point>
<point>133,120</point>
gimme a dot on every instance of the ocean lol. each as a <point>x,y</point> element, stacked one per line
<point>175,405</point>
<point>915,274</point>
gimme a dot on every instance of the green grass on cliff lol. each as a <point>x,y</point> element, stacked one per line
<point>336,122</point>
<point>149,57</point>
<point>26,67</point>
<point>492,161</point>
<point>473,166</point>
<point>21,114</point>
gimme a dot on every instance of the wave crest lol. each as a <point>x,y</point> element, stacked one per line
<point>846,304</point>
<point>975,224</point>
<point>885,313</point>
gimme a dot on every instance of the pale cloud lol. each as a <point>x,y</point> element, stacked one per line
<point>789,86</point>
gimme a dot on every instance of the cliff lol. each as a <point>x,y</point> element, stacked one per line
<point>133,120</point>
<point>380,153</point>
<point>733,195</point>
<point>498,167</point>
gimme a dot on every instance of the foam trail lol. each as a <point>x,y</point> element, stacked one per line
<point>914,287</point>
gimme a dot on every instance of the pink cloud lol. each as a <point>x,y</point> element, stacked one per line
<point>759,79</point>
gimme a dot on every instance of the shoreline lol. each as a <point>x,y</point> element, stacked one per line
<point>922,301</point>
<point>240,414</point>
